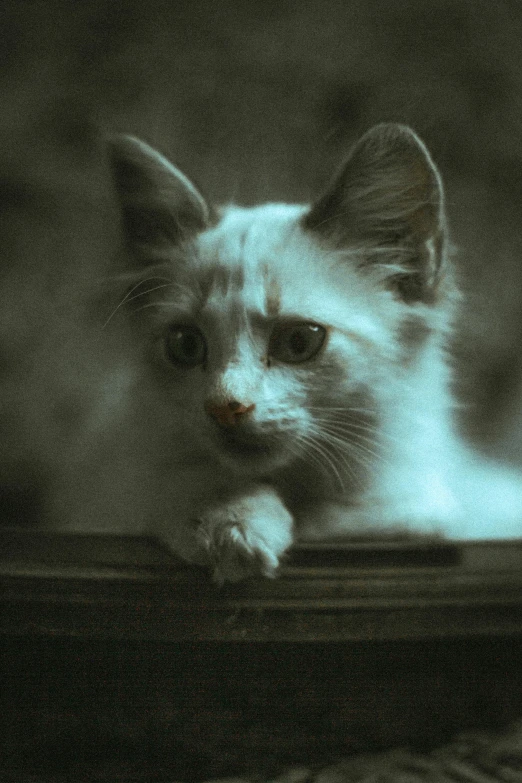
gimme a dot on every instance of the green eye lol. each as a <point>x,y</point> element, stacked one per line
<point>185,346</point>
<point>298,342</point>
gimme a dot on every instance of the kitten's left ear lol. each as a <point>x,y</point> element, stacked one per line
<point>387,201</point>
<point>159,203</point>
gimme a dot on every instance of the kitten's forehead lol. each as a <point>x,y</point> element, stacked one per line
<point>260,262</point>
<point>245,255</point>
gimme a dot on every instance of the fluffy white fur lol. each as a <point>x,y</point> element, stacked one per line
<point>357,439</point>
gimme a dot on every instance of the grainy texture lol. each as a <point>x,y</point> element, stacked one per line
<point>261,101</point>
<point>82,709</point>
<point>125,588</point>
<point>120,663</point>
<point>256,102</point>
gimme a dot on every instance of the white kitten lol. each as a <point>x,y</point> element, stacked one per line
<point>289,367</point>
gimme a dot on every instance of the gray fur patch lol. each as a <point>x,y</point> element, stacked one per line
<point>413,333</point>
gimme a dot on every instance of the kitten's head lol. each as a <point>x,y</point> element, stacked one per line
<point>280,333</point>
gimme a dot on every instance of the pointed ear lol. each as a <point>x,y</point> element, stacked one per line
<point>387,202</point>
<point>160,204</point>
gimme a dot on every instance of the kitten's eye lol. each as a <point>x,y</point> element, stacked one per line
<point>185,346</point>
<point>294,343</point>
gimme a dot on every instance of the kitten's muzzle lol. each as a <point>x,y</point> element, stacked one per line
<point>228,414</point>
<point>236,435</point>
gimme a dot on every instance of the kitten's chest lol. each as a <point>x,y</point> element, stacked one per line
<point>302,484</point>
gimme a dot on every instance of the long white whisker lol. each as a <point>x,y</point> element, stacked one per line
<point>311,456</point>
<point>362,455</point>
<point>356,458</point>
<point>355,425</point>
<point>377,438</point>
<point>149,291</point>
<point>159,271</point>
<point>353,444</point>
<point>351,428</point>
<point>345,433</point>
<point>348,427</point>
<point>359,445</point>
<point>312,443</point>
<point>128,298</point>
<point>299,453</point>
<point>340,447</point>
<point>346,449</point>
<point>158,305</point>
<point>343,409</point>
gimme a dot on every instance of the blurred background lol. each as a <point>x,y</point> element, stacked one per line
<point>261,100</point>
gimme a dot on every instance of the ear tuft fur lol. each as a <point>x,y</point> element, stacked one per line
<point>387,201</point>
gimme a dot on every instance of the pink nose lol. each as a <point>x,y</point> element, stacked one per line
<point>228,414</point>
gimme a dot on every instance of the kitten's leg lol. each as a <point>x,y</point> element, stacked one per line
<point>246,535</point>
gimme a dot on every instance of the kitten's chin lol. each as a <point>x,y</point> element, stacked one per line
<point>250,455</point>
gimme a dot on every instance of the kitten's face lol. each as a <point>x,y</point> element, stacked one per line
<point>275,335</point>
<point>272,349</point>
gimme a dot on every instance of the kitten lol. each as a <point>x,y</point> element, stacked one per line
<point>290,367</point>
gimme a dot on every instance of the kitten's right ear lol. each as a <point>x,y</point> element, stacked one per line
<point>160,204</point>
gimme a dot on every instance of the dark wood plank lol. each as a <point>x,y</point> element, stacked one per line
<point>117,587</point>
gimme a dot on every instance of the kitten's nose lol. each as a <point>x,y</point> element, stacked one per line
<point>228,414</point>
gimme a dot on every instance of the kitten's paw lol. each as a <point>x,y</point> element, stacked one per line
<point>246,536</point>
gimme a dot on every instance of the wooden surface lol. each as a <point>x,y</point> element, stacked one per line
<point>120,663</point>
<point>133,588</point>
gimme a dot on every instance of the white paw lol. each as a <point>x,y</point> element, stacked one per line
<point>246,536</point>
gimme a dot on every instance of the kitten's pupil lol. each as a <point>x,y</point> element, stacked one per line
<point>185,345</point>
<point>298,342</point>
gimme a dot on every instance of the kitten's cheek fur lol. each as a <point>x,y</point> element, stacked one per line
<point>246,536</point>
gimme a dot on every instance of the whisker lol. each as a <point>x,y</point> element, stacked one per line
<point>362,454</point>
<point>356,425</point>
<point>343,454</point>
<point>149,291</point>
<point>351,428</point>
<point>357,443</point>
<point>299,453</point>
<point>363,437</point>
<point>364,449</point>
<point>128,298</point>
<point>311,456</point>
<point>343,408</point>
<point>340,447</point>
<point>129,277</point>
<point>359,459</point>
<point>313,444</point>
<point>167,305</point>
